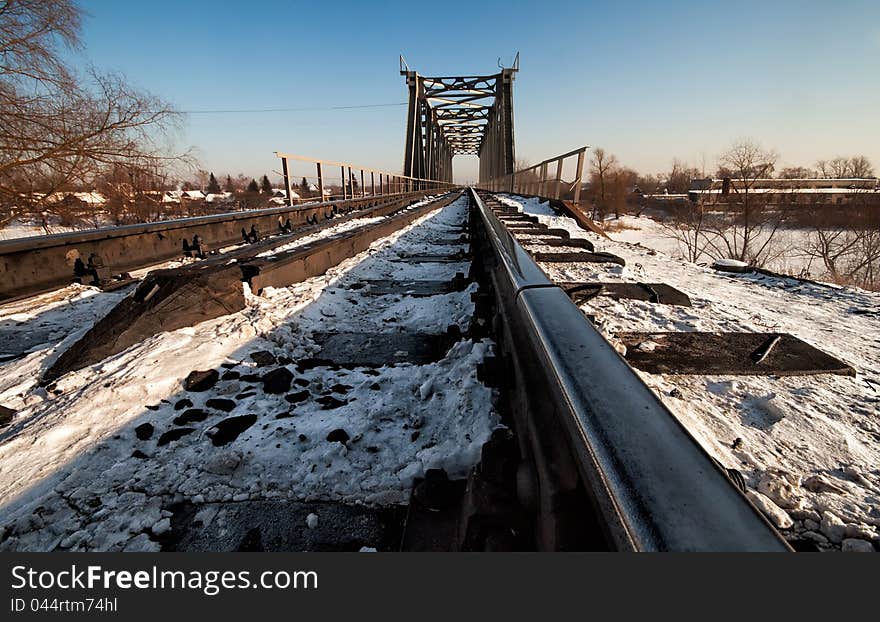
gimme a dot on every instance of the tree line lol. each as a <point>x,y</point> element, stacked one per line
<point>842,238</point>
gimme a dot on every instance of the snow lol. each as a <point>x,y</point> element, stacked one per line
<point>787,256</point>
<point>791,429</point>
<point>74,475</point>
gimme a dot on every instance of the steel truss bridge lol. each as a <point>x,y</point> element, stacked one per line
<point>459,115</point>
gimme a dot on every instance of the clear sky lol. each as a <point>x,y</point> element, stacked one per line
<point>648,81</point>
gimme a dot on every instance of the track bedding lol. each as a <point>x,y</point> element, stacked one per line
<point>280,444</point>
<point>319,409</point>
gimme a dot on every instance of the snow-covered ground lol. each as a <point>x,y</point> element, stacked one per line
<point>787,256</point>
<point>75,474</point>
<point>809,447</point>
<point>25,229</point>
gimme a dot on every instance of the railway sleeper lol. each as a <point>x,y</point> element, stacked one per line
<point>560,242</point>
<point>658,293</point>
<point>708,353</point>
<point>579,258</point>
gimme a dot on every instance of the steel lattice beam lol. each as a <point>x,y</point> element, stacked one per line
<point>459,115</point>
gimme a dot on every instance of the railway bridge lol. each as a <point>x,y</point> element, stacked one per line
<point>428,370</point>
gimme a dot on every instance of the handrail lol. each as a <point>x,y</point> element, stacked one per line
<point>655,487</point>
<point>528,181</point>
<point>388,183</point>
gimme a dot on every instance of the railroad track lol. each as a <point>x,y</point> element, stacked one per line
<point>30,266</point>
<point>226,266</point>
<point>428,389</point>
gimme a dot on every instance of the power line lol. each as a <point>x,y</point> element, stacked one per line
<point>305,109</point>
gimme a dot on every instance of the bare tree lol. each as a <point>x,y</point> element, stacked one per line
<point>687,225</point>
<point>59,129</point>
<point>860,166</point>
<point>747,224</point>
<point>797,172</point>
<point>841,167</point>
<point>601,166</point>
<point>678,181</point>
<point>847,241</point>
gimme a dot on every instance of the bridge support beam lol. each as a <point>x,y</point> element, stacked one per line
<point>459,115</point>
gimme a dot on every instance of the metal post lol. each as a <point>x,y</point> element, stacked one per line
<point>350,180</point>
<point>287,181</point>
<point>342,177</point>
<point>372,183</point>
<point>543,178</point>
<point>558,178</point>
<point>580,173</point>
<point>363,188</point>
<point>320,183</point>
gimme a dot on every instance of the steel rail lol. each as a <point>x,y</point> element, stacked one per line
<point>651,484</point>
<point>37,264</point>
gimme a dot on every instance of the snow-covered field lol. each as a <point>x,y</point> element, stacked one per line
<point>787,257</point>
<point>79,470</point>
<point>809,447</point>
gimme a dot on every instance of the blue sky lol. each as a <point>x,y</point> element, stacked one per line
<point>648,81</point>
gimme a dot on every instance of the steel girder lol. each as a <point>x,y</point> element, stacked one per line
<point>449,116</point>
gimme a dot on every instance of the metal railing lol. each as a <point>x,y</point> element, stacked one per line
<point>654,487</point>
<point>354,180</point>
<point>536,180</point>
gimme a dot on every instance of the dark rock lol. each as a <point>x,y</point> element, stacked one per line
<point>230,375</point>
<point>436,491</point>
<point>296,398</point>
<point>199,381</point>
<point>173,435</point>
<point>414,436</point>
<point>286,415</point>
<point>251,378</point>
<point>6,415</point>
<point>675,393</point>
<point>338,436</point>
<point>228,365</point>
<point>192,415</point>
<point>252,542</point>
<point>219,403</point>
<point>229,429</point>
<point>285,360</point>
<point>277,381</point>
<point>372,449</point>
<point>369,372</point>
<point>302,382</point>
<point>329,402</point>
<point>263,358</point>
<point>137,453</point>
<point>153,407</point>
<point>802,545</point>
<point>245,395</point>
<point>144,431</point>
<point>184,403</point>
<point>375,387</point>
<point>340,388</point>
<point>303,438</point>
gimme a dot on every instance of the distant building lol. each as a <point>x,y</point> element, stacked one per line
<point>92,199</point>
<point>787,191</point>
<point>219,198</point>
<point>174,196</point>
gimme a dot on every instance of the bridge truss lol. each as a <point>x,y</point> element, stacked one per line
<point>459,115</point>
